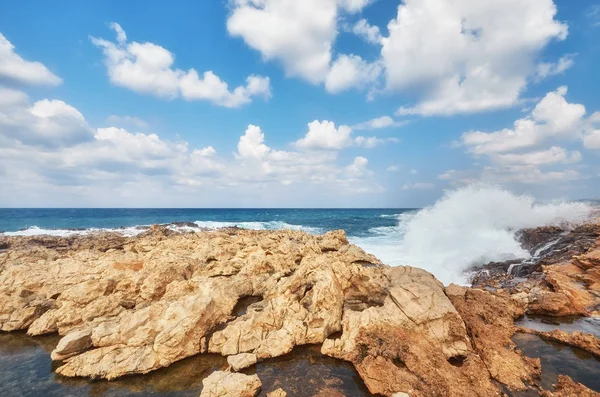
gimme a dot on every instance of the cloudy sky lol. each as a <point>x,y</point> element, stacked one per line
<point>286,103</point>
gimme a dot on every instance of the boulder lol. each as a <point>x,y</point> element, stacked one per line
<point>230,384</point>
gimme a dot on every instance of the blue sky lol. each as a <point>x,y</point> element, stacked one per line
<point>279,103</point>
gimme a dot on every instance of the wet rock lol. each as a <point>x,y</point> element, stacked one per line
<point>587,342</point>
<point>566,387</point>
<point>230,384</point>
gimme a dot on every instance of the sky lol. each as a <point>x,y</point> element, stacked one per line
<point>285,103</point>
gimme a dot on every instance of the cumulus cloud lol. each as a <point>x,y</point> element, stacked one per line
<point>550,156</point>
<point>552,117</point>
<point>523,153</point>
<point>350,71</point>
<point>48,123</point>
<point>16,69</point>
<point>478,57</point>
<point>325,135</point>
<point>147,68</point>
<point>48,147</point>
<point>300,35</point>
<point>370,33</point>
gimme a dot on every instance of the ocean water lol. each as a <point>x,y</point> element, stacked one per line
<point>464,228</point>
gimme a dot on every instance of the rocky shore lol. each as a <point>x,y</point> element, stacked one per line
<point>132,305</point>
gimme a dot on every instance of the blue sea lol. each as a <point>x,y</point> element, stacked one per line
<point>356,222</point>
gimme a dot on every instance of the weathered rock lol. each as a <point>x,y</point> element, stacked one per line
<point>414,343</point>
<point>566,387</point>
<point>489,319</point>
<point>73,343</point>
<point>133,305</point>
<point>241,361</point>
<point>230,384</point>
<point>277,393</point>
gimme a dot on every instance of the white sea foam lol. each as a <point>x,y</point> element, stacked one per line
<point>470,226</point>
<point>271,225</point>
<point>133,231</point>
<point>37,231</point>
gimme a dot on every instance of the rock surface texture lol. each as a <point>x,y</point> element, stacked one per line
<point>133,305</point>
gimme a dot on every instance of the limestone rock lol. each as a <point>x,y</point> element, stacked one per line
<point>277,393</point>
<point>241,361</point>
<point>73,343</point>
<point>230,384</point>
<point>489,319</point>
<point>566,387</point>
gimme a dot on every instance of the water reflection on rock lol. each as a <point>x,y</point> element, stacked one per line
<point>26,370</point>
<point>558,358</point>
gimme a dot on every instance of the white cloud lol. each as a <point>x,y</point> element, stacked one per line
<point>552,117</point>
<point>414,172</point>
<point>358,168</point>
<point>418,186</point>
<point>251,144</point>
<point>527,153</point>
<point>14,68</point>
<point>300,35</point>
<point>592,140</point>
<point>297,33</point>
<point>370,33</point>
<point>378,122</point>
<point>325,135</point>
<point>529,175</point>
<point>478,56</point>
<point>49,123</point>
<point>350,71</point>
<point>393,168</point>
<point>127,120</point>
<point>551,156</point>
<point>546,69</point>
<point>147,68</point>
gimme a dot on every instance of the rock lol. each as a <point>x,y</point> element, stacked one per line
<point>415,342</point>
<point>241,361</point>
<point>566,387</point>
<point>228,384</point>
<point>400,394</point>
<point>73,343</point>
<point>587,342</point>
<point>489,319</point>
<point>133,305</point>
<point>277,393</point>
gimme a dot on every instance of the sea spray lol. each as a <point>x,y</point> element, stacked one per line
<point>475,225</point>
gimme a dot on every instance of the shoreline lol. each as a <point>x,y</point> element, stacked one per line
<point>181,289</point>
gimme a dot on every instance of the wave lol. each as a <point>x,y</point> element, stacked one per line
<point>135,230</point>
<point>270,225</point>
<point>37,231</point>
<point>465,228</point>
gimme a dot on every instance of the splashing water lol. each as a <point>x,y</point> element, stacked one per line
<point>476,225</point>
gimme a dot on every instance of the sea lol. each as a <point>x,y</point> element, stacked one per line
<point>466,227</point>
